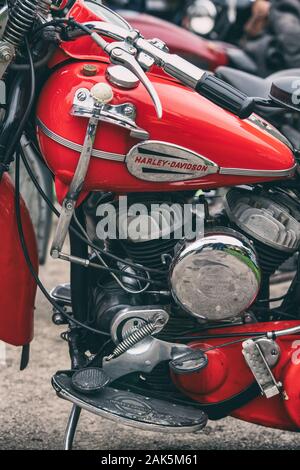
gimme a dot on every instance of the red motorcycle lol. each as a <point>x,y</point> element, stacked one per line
<point>164,330</point>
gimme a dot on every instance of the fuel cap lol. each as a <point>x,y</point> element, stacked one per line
<point>121,77</point>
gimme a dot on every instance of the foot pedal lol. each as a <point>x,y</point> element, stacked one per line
<point>256,361</point>
<point>90,380</point>
<point>132,409</point>
<point>189,362</point>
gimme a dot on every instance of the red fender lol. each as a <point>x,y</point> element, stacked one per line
<point>18,288</point>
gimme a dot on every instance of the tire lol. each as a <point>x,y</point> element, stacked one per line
<point>40,213</point>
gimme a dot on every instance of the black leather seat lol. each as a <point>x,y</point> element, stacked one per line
<point>240,60</point>
<point>250,84</point>
<point>260,87</point>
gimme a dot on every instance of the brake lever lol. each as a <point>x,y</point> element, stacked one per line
<point>121,53</point>
<point>121,57</point>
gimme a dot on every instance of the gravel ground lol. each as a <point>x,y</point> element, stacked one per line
<point>32,417</point>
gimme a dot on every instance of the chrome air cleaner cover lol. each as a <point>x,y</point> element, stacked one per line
<point>216,277</point>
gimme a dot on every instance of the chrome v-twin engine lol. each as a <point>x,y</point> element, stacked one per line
<point>214,278</point>
<point>211,279</point>
<point>217,276</point>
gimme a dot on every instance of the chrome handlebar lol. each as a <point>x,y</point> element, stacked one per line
<point>128,48</point>
<point>172,64</point>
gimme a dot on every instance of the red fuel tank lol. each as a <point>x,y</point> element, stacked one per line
<point>195,145</point>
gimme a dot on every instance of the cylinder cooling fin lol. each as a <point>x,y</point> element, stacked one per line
<point>151,236</point>
<point>217,275</point>
<point>270,224</point>
<point>21,19</point>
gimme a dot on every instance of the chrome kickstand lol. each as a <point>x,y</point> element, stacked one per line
<point>71,427</point>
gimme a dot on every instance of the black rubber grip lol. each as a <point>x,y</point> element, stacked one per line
<point>225,95</point>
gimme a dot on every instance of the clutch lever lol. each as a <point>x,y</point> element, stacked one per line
<point>122,53</point>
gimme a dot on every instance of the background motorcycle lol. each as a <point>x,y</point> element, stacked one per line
<point>219,19</point>
<point>170,10</point>
<point>203,52</point>
<point>222,20</point>
<point>183,331</point>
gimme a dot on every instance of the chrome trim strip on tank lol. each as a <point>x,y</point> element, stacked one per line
<point>261,173</point>
<point>77,147</point>
<point>121,158</point>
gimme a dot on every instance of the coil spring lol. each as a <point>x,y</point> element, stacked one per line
<point>129,332</point>
<point>20,21</point>
<point>133,339</point>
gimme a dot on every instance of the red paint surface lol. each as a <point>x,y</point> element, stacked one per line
<point>18,288</point>
<point>189,120</point>
<point>227,374</point>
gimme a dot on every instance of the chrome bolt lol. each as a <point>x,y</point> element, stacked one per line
<point>58,319</point>
<point>69,206</point>
<point>128,111</point>
<point>7,57</point>
<point>55,254</point>
<point>117,52</point>
<point>6,54</point>
<point>81,96</point>
<point>160,44</point>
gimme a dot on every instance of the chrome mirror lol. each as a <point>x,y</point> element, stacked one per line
<point>285,92</point>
